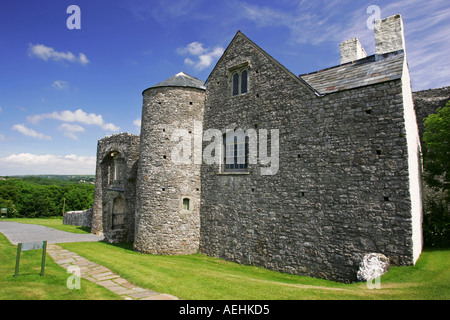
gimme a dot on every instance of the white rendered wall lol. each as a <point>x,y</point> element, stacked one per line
<point>414,163</point>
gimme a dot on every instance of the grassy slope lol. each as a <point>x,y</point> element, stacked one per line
<point>201,277</point>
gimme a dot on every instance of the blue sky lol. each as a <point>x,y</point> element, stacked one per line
<point>63,89</point>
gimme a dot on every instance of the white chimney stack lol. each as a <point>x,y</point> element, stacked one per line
<point>389,34</point>
<point>351,50</point>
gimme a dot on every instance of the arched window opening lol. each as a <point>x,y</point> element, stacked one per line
<point>239,81</point>
<point>114,170</point>
<point>118,213</point>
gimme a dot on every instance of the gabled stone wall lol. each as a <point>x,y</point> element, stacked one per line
<point>342,189</point>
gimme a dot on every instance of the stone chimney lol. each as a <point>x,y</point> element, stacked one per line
<point>351,50</point>
<point>389,34</point>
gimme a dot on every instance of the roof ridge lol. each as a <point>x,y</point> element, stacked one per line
<point>366,71</point>
<point>181,79</point>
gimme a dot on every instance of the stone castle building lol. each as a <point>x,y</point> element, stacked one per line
<point>327,168</point>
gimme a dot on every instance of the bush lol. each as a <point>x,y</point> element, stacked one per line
<point>436,223</point>
<point>39,197</point>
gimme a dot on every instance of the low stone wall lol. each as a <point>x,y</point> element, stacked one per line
<point>78,218</point>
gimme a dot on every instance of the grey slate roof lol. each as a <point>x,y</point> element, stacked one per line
<point>182,80</point>
<point>367,71</point>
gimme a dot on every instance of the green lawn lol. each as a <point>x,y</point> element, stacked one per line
<point>195,277</point>
<point>200,277</point>
<point>29,285</point>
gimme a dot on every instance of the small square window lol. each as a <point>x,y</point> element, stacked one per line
<point>236,153</point>
<point>186,203</point>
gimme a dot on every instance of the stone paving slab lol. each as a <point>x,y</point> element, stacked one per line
<point>103,276</point>
<point>163,296</point>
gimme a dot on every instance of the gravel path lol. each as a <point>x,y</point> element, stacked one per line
<point>21,232</point>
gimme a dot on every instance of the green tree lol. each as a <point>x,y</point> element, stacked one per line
<point>43,197</point>
<point>436,162</point>
<point>9,205</point>
<point>437,149</point>
<point>79,197</point>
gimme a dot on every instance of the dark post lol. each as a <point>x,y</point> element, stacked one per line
<point>44,251</point>
<point>19,249</point>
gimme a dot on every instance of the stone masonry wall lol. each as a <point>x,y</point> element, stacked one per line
<point>163,225</point>
<point>114,195</point>
<point>342,186</point>
<point>81,218</point>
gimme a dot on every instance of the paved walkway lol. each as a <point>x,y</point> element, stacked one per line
<point>103,276</point>
<point>21,233</point>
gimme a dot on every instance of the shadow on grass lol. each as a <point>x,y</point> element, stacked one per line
<point>123,245</point>
<point>84,229</point>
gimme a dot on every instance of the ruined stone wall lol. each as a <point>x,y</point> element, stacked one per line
<point>342,187</point>
<point>81,218</point>
<point>426,102</point>
<point>115,187</point>
<point>164,225</point>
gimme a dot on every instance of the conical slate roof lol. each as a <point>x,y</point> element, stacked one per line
<point>182,80</point>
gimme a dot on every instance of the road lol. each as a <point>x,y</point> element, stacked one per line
<point>21,233</point>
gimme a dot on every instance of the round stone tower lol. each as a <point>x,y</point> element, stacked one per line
<point>168,180</point>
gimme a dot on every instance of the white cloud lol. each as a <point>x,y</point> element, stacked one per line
<point>60,85</point>
<point>137,122</point>
<point>46,53</point>
<point>189,62</point>
<point>30,132</point>
<point>320,22</point>
<point>205,56</point>
<point>2,137</point>
<point>27,163</point>
<point>110,127</point>
<point>427,37</point>
<point>83,59</point>
<point>308,22</point>
<point>70,130</point>
<point>1,109</point>
<point>193,48</point>
<point>75,116</point>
